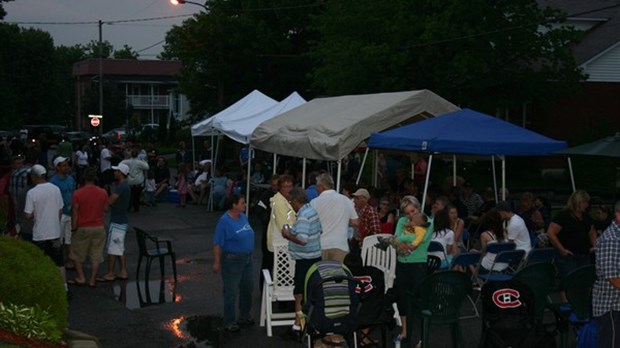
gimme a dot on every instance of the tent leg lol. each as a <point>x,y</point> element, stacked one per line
<point>572,176</point>
<point>494,178</point>
<point>275,163</point>
<point>375,170</point>
<point>247,182</point>
<point>453,170</point>
<point>359,174</point>
<point>193,154</point>
<point>503,178</point>
<point>303,173</point>
<point>428,175</point>
<point>339,173</point>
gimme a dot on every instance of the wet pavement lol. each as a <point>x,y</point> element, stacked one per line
<point>121,314</point>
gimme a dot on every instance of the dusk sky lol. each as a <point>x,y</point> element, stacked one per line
<point>137,35</point>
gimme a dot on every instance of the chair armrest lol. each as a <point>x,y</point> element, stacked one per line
<point>267,277</point>
<point>167,242</point>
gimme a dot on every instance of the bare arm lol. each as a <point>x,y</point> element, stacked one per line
<point>458,232</point>
<point>286,233</point>
<point>615,282</point>
<point>552,232</point>
<point>593,236</point>
<point>217,258</point>
<point>75,208</point>
<point>354,222</point>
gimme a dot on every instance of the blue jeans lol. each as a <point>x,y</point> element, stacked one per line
<point>237,279</point>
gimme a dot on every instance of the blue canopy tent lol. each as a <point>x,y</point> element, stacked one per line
<point>466,132</point>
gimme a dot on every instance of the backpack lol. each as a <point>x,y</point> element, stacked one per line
<point>508,317</point>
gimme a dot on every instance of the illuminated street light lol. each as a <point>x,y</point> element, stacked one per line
<point>181,2</point>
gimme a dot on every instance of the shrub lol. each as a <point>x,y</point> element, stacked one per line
<point>30,322</point>
<point>30,279</point>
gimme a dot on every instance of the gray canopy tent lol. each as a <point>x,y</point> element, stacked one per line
<point>330,128</point>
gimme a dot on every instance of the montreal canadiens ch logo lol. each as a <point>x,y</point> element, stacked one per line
<point>506,298</point>
<point>366,283</point>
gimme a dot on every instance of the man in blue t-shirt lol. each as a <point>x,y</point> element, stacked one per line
<point>304,245</point>
<point>66,184</point>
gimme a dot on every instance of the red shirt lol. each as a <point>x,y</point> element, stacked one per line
<point>369,221</point>
<point>90,203</point>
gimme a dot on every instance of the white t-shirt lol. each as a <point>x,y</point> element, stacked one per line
<point>445,239</point>
<point>335,211</point>
<point>105,159</point>
<point>45,202</point>
<point>518,233</point>
<point>82,158</point>
<point>200,178</point>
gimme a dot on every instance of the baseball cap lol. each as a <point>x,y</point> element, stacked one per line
<point>58,160</point>
<point>362,192</point>
<point>204,162</point>
<point>37,170</point>
<point>121,167</point>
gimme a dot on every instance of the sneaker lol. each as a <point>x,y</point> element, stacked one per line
<point>246,322</point>
<point>232,328</point>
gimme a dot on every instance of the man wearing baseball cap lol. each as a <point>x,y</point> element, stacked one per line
<point>66,184</point>
<point>44,205</point>
<point>119,222</point>
<point>368,216</point>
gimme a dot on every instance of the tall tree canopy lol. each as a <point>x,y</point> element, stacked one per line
<point>486,54</point>
<point>241,45</point>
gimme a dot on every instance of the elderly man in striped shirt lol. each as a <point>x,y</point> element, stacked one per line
<point>304,245</point>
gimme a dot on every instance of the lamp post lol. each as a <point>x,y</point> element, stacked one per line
<point>181,2</point>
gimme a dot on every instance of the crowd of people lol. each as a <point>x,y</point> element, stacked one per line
<point>64,216</point>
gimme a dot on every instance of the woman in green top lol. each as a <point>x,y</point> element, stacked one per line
<point>411,265</point>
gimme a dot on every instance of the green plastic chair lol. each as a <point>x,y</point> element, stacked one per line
<point>437,300</point>
<point>540,278</point>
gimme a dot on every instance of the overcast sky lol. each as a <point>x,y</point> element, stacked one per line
<point>138,35</point>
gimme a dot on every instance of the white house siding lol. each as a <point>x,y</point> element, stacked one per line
<point>604,67</point>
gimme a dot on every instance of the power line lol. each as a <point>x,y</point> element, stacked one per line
<point>151,46</point>
<point>104,22</point>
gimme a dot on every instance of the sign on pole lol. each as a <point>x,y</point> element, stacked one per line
<point>95,120</point>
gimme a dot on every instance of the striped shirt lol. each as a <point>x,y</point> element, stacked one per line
<point>307,229</point>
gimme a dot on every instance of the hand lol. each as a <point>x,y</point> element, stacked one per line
<point>216,267</point>
<point>567,252</point>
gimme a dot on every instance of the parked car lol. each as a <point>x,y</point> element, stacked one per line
<point>115,135</point>
<point>33,133</point>
<point>76,138</point>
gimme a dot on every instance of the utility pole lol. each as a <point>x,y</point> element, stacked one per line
<point>100,74</point>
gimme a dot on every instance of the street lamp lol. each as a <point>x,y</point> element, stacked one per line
<point>181,2</point>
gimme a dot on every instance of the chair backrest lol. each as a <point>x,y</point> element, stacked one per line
<point>442,293</point>
<point>141,236</point>
<point>512,257</point>
<point>540,255</point>
<point>385,260</point>
<point>540,278</point>
<point>496,248</point>
<point>432,264</point>
<point>466,259</point>
<point>578,288</point>
<point>435,246</point>
<point>283,266</point>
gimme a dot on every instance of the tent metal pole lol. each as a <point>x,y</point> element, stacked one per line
<point>572,176</point>
<point>412,170</point>
<point>247,182</point>
<point>503,178</point>
<point>453,170</point>
<point>193,154</point>
<point>275,163</point>
<point>338,175</point>
<point>494,178</point>
<point>359,174</point>
<point>303,173</point>
<point>428,175</point>
<point>375,169</point>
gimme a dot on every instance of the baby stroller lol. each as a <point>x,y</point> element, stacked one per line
<point>331,305</point>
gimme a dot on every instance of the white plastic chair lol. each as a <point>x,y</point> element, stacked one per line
<point>385,260</point>
<point>278,289</point>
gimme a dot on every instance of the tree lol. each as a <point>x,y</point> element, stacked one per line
<point>240,45</point>
<point>2,10</point>
<point>92,49</point>
<point>476,53</point>
<point>126,53</point>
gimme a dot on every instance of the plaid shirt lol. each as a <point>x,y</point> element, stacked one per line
<point>369,222</point>
<point>606,297</point>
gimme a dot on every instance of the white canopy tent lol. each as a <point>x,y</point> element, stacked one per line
<point>330,128</point>
<point>240,129</point>
<point>253,103</point>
